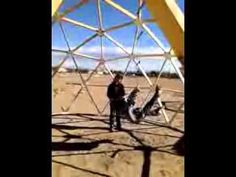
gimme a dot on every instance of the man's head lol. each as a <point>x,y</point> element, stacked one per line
<point>158,89</point>
<point>118,78</point>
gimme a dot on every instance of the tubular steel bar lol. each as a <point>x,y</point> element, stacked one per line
<point>177,70</point>
<point>138,22</point>
<point>176,113</point>
<point>85,42</point>
<point>81,77</point>
<point>119,26</point>
<point>76,54</point>
<point>156,81</point>
<point>121,9</point>
<point>80,90</point>
<point>80,24</point>
<point>133,47</point>
<point>99,14</point>
<point>121,47</point>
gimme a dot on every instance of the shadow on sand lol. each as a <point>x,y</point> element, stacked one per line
<point>81,169</point>
<point>175,149</point>
<point>62,146</point>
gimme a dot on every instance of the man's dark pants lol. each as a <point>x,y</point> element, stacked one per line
<point>116,108</point>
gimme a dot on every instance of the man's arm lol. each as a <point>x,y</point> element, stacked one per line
<point>122,91</point>
<point>109,92</point>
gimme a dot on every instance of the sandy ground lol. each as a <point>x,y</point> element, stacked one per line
<point>84,147</point>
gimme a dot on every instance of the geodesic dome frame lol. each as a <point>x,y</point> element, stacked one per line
<point>101,33</point>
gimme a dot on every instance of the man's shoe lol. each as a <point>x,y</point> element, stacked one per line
<point>111,129</point>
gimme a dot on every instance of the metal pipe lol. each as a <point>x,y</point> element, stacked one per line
<point>81,77</point>
<point>177,70</point>
<point>85,42</point>
<point>80,24</point>
<point>59,66</point>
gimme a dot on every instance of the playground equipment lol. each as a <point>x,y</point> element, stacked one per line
<point>165,13</point>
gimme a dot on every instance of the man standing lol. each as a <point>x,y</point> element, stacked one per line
<point>115,93</point>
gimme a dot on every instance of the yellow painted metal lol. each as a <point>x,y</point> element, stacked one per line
<point>170,19</point>
<point>69,10</point>
<point>55,5</point>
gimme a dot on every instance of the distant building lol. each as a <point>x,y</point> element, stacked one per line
<point>100,71</point>
<point>105,72</point>
<point>62,70</point>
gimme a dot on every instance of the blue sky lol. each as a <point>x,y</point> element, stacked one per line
<point>88,15</point>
